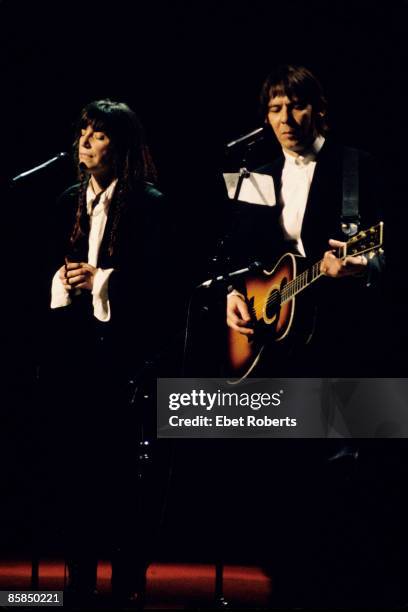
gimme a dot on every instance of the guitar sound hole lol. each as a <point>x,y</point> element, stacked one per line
<point>273,304</point>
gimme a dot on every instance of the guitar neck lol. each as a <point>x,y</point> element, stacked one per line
<point>300,282</point>
<point>364,242</point>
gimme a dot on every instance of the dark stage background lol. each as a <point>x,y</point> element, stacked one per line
<point>193,71</point>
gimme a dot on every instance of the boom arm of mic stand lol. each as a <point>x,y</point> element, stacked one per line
<point>40,167</point>
<point>253,267</point>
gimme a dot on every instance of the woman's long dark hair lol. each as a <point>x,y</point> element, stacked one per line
<point>132,164</point>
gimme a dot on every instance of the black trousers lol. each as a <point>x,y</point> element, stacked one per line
<point>105,499</point>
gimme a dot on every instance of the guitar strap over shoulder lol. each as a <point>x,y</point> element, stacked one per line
<point>350,216</point>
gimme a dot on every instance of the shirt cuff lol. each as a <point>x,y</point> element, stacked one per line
<point>100,295</point>
<point>59,295</point>
<point>235,292</point>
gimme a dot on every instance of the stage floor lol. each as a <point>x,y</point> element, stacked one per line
<point>169,585</point>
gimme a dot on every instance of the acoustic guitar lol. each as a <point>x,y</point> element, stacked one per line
<point>271,297</point>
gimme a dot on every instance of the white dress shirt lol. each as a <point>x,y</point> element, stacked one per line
<point>297,176</point>
<point>97,220</point>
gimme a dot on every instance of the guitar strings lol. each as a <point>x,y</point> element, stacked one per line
<point>297,284</point>
<point>301,281</point>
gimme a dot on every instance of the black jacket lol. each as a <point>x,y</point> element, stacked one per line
<point>255,231</point>
<point>345,310</point>
<point>137,284</point>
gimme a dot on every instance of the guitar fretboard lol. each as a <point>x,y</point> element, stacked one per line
<point>300,282</point>
<point>364,242</point>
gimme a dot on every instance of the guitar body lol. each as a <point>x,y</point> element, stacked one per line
<point>271,320</point>
<point>271,301</point>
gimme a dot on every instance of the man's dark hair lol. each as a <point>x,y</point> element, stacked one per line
<point>131,159</point>
<point>296,82</point>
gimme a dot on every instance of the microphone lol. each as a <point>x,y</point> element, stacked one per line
<point>49,162</point>
<point>251,137</point>
<point>256,265</point>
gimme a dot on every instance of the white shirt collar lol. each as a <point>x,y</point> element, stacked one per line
<point>309,154</point>
<point>105,197</point>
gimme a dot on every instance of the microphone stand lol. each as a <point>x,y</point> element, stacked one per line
<point>49,162</point>
<point>141,399</point>
<point>219,600</point>
<point>35,556</point>
<point>243,173</point>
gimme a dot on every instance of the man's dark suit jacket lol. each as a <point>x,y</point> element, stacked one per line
<point>331,513</point>
<point>345,307</point>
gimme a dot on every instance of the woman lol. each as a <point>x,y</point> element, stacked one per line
<point>105,324</point>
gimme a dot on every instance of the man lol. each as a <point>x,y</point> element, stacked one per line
<point>323,539</point>
<point>306,218</point>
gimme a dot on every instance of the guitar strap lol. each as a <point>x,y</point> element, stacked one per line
<point>350,216</point>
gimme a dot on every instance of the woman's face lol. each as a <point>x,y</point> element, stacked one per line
<point>95,151</point>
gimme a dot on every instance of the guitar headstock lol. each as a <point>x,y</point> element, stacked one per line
<point>365,241</point>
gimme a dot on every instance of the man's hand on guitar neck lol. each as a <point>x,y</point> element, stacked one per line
<point>336,268</point>
<point>238,317</point>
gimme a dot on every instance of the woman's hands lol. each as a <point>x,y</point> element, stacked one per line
<point>75,275</point>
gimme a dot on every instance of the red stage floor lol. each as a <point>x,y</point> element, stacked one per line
<point>169,585</point>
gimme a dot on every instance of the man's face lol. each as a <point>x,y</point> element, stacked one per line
<point>293,123</point>
<point>95,150</point>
